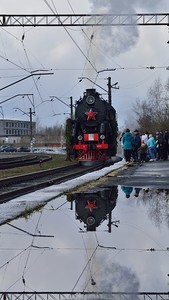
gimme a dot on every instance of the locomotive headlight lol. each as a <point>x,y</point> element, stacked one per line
<point>80,137</point>
<point>90,100</point>
<point>90,220</point>
<point>102,137</point>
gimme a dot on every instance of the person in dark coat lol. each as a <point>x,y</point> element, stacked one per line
<point>166,144</point>
<point>127,141</point>
<point>136,145</point>
<point>161,145</point>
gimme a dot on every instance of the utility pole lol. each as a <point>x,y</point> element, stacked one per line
<point>109,91</point>
<point>111,86</point>
<point>71,107</point>
<point>31,128</point>
<point>29,114</point>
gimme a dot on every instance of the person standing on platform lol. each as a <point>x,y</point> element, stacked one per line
<point>151,144</point>
<point>128,141</point>
<point>166,143</point>
<point>144,138</point>
<point>137,144</point>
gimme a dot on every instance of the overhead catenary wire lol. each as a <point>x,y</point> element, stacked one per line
<point>83,31</point>
<point>82,52</point>
<point>35,81</point>
<point>28,70</point>
<point>13,63</point>
<point>91,37</point>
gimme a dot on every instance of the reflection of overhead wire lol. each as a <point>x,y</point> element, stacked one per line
<point>145,232</point>
<point>29,252</point>
<point>22,277</point>
<point>14,257</point>
<point>85,267</point>
<point>52,208</point>
<point>34,235</point>
<point>132,249</point>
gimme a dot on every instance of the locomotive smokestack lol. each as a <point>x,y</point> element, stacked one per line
<point>90,92</point>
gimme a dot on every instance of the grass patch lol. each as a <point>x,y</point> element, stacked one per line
<point>29,211</point>
<point>58,160</point>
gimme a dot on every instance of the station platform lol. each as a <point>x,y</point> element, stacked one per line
<point>153,174</point>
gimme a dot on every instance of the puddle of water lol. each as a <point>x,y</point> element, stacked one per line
<point>106,239</point>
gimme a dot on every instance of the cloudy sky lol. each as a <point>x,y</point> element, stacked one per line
<point>70,53</point>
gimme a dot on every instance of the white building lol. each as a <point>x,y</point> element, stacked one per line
<point>11,131</point>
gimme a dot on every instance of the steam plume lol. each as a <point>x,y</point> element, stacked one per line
<point>119,39</point>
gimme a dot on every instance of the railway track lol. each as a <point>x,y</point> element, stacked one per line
<point>20,161</point>
<point>13,187</point>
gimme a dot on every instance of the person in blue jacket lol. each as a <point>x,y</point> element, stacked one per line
<point>128,142</point>
<point>151,144</point>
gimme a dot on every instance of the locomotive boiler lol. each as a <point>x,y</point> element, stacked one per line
<point>94,131</point>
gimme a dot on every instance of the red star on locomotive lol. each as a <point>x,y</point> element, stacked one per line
<point>91,115</point>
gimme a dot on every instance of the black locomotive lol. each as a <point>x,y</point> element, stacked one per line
<point>94,128</point>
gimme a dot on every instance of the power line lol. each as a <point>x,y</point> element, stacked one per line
<point>71,37</point>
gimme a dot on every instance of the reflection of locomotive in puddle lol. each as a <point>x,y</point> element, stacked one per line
<point>94,207</point>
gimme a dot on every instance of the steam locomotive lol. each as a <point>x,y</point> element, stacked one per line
<point>94,129</point>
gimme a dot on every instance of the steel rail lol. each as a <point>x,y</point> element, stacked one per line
<point>13,187</point>
<point>20,161</point>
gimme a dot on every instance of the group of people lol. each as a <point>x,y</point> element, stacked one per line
<point>145,147</point>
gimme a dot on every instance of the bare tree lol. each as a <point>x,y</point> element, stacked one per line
<point>152,114</point>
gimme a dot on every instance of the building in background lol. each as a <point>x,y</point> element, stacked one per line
<point>14,131</point>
